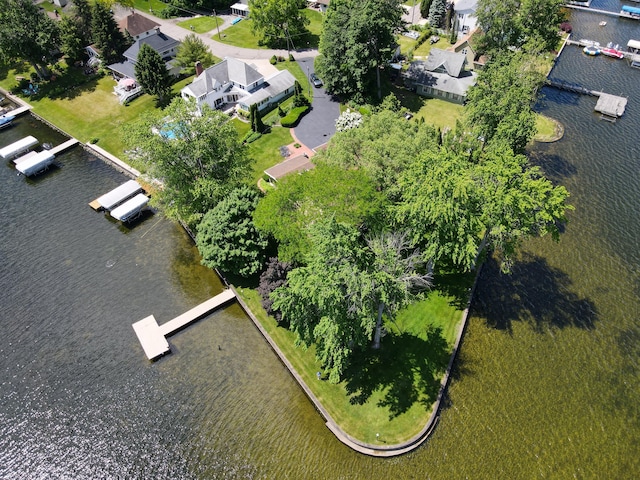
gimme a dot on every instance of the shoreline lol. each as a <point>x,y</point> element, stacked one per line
<point>361,447</point>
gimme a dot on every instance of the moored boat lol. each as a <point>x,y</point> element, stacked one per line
<point>6,119</point>
<point>613,51</point>
<point>592,50</point>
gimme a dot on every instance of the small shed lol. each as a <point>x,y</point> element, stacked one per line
<point>240,9</point>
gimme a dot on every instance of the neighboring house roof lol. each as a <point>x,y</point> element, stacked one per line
<point>465,5</point>
<point>137,24</point>
<point>451,62</point>
<point>420,74</point>
<point>300,163</point>
<point>275,85</point>
<point>126,69</point>
<point>158,41</point>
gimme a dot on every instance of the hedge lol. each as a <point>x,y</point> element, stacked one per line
<point>292,118</point>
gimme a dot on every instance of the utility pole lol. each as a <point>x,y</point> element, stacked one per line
<point>309,80</point>
<point>218,26</point>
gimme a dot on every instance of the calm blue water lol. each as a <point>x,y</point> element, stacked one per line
<point>549,372</point>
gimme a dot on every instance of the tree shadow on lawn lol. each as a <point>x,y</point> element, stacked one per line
<point>407,369</point>
<point>70,85</point>
<point>534,292</point>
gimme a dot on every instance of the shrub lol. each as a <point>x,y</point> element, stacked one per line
<point>273,277</point>
<point>251,136</point>
<point>301,101</point>
<point>293,117</point>
<point>291,59</point>
<point>281,112</point>
<point>280,59</point>
<point>273,60</point>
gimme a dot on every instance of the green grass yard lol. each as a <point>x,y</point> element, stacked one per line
<point>201,24</point>
<point>389,391</point>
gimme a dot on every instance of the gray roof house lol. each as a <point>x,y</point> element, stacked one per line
<point>442,75</point>
<point>166,46</point>
<point>233,81</point>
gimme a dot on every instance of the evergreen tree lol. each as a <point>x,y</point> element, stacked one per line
<point>425,5</point>
<point>106,35</point>
<point>72,43</point>
<point>152,74</point>
<point>83,15</point>
<point>192,50</point>
<point>437,13</point>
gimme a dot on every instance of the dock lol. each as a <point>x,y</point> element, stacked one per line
<point>131,208</point>
<point>610,106</point>
<point>16,148</point>
<point>72,142</point>
<point>153,336</point>
<point>35,164</point>
<point>116,196</point>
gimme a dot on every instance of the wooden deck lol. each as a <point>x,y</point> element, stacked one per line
<point>152,336</point>
<point>64,146</point>
<point>611,105</point>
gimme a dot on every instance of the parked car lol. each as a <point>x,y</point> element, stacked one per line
<point>315,80</point>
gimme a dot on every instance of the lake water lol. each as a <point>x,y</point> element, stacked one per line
<point>547,383</point>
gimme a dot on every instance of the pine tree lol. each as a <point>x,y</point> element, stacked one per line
<point>437,12</point>
<point>106,34</point>
<point>152,74</point>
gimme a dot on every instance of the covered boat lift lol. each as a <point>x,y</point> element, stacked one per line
<point>131,208</point>
<point>35,163</point>
<point>16,148</point>
<point>116,196</point>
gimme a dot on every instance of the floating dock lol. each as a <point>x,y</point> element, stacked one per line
<point>611,106</point>
<point>16,148</point>
<point>116,196</point>
<point>130,208</point>
<point>35,163</point>
<point>152,336</point>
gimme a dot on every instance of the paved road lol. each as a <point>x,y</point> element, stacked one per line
<point>319,125</point>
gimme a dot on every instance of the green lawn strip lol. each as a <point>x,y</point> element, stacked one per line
<point>406,343</point>
<point>547,129</point>
<point>149,6</point>
<point>405,43</point>
<point>424,49</point>
<point>239,35</point>
<point>201,24</point>
<point>266,150</point>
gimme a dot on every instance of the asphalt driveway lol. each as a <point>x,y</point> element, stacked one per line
<point>319,125</point>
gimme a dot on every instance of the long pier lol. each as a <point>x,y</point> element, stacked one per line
<point>620,14</point>
<point>152,336</point>
<point>610,106</point>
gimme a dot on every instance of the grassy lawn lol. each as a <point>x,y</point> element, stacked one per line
<point>424,49</point>
<point>389,391</point>
<point>265,151</point>
<point>201,24</point>
<point>547,129</point>
<point>240,34</point>
<point>86,110</point>
<point>149,6</point>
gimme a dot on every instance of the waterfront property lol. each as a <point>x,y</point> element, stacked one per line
<point>152,336</point>
<point>16,148</point>
<point>34,164</point>
<point>442,75</point>
<point>234,82</point>
<point>116,196</point>
<point>130,209</point>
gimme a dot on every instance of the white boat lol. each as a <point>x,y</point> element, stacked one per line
<point>131,208</point>
<point>6,119</point>
<point>35,163</point>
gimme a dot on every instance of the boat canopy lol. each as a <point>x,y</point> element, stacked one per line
<point>18,147</point>
<point>35,163</point>
<point>629,9</point>
<point>633,44</point>
<point>130,208</point>
<point>119,194</point>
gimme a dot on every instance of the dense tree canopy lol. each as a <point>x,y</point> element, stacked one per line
<point>71,41</point>
<point>152,74</point>
<point>337,299</point>
<point>227,238</point>
<point>106,34</point>
<point>27,34</point>
<point>514,23</point>
<point>500,104</point>
<point>198,158</point>
<point>279,23</point>
<point>301,200</point>
<point>357,38</point>
<point>192,50</point>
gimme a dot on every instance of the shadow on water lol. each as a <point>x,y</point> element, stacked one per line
<point>555,168</point>
<point>533,292</point>
<point>406,368</point>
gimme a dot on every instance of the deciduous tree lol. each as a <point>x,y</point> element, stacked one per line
<point>274,276</point>
<point>357,39</point>
<point>27,34</point>
<point>278,22</point>
<point>152,74</point>
<point>198,158</point>
<point>301,200</point>
<point>192,50</point>
<point>227,238</point>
